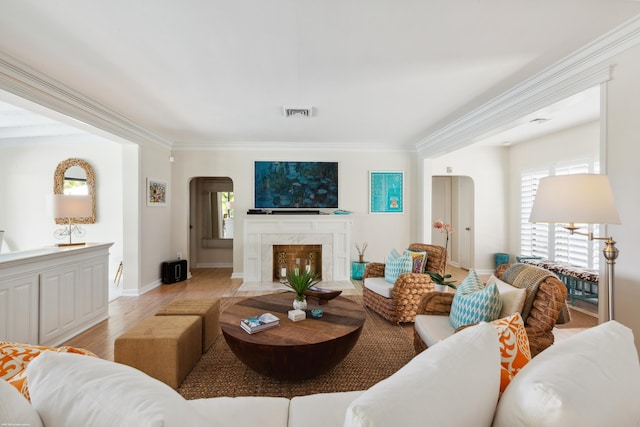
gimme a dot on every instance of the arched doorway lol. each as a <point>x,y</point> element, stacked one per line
<point>211,219</point>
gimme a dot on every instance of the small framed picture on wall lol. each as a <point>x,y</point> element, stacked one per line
<point>386,192</point>
<point>156,192</point>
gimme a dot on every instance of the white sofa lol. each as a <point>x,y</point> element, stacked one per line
<point>590,379</point>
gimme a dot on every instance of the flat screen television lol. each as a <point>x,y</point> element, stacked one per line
<point>295,185</point>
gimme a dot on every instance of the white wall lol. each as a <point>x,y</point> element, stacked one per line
<point>27,178</point>
<point>623,155</point>
<point>580,142</point>
<point>132,199</point>
<point>381,231</point>
<point>487,167</point>
<point>155,222</point>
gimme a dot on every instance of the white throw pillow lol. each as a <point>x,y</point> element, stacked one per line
<point>454,383</point>
<point>512,297</point>
<point>589,379</point>
<point>75,390</point>
<point>15,410</point>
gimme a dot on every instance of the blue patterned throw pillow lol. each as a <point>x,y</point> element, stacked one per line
<point>393,255</point>
<point>396,265</point>
<point>474,302</point>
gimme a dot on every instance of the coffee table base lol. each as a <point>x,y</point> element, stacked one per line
<point>293,350</point>
<point>298,362</point>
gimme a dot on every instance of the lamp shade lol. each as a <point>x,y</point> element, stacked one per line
<point>70,206</point>
<point>578,198</point>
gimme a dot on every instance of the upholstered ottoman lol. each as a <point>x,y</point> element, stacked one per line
<point>164,347</point>
<point>207,308</point>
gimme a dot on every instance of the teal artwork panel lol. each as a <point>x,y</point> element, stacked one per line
<point>386,192</point>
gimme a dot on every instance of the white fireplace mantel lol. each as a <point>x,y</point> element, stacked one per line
<point>333,232</point>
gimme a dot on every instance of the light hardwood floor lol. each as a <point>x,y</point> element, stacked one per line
<point>125,312</point>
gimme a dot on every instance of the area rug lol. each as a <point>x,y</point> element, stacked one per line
<point>381,350</point>
<point>579,320</point>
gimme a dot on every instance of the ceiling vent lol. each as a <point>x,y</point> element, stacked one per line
<point>539,120</point>
<point>297,111</point>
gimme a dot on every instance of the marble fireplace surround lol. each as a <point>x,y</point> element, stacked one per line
<point>333,232</point>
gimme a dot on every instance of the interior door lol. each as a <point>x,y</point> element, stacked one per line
<point>452,202</point>
<point>441,210</point>
<point>465,216</point>
<point>193,220</point>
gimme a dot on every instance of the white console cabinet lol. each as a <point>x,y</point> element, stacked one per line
<point>48,296</point>
<point>19,309</point>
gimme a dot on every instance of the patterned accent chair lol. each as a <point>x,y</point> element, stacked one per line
<point>402,302</point>
<point>548,308</point>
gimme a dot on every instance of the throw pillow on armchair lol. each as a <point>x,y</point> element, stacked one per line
<point>396,265</point>
<point>474,303</point>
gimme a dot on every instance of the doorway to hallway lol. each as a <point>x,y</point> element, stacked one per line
<point>453,203</point>
<point>211,222</point>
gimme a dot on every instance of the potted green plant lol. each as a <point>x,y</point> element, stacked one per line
<point>440,282</point>
<point>299,282</point>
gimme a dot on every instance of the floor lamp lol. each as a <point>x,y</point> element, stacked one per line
<point>579,199</point>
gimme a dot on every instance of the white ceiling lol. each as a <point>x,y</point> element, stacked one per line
<point>18,123</point>
<point>578,109</point>
<point>217,73</point>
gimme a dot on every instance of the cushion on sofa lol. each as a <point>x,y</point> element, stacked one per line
<point>419,260</point>
<point>73,390</point>
<point>15,409</point>
<point>397,265</point>
<point>474,302</point>
<point>589,379</point>
<point>245,411</point>
<point>320,410</point>
<point>379,285</point>
<point>512,297</point>
<point>514,347</point>
<point>432,328</point>
<point>14,358</point>
<point>461,372</point>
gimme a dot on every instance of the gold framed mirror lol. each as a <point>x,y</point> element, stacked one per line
<point>76,176</point>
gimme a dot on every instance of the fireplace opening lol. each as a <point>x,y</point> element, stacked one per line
<point>286,258</point>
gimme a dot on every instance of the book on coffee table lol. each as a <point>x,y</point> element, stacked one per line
<point>259,323</point>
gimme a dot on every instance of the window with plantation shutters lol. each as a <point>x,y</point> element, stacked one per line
<point>534,238</point>
<point>554,242</point>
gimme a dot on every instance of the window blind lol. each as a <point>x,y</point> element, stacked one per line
<point>554,242</point>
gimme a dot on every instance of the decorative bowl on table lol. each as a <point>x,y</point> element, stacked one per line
<point>323,295</point>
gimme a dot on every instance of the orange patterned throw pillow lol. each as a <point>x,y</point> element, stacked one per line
<point>514,347</point>
<point>15,357</point>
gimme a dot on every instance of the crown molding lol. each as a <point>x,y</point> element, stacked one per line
<point>583,69</point>
<point>294,146</point>
<point>25,82</point>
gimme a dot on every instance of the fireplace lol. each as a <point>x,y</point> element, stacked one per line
<point>331,232</point>
<point>286,258</point>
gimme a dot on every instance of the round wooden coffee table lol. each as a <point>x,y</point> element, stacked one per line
<point>293,350</point>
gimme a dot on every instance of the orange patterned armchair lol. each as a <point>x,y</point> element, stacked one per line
<point>399,301</point>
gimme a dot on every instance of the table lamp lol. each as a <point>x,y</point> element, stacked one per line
<point>579,199</point>
<point>69,207</point>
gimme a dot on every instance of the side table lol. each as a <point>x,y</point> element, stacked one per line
<point>357,269</point>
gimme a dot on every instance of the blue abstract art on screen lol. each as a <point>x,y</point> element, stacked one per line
<point>287,185</point>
